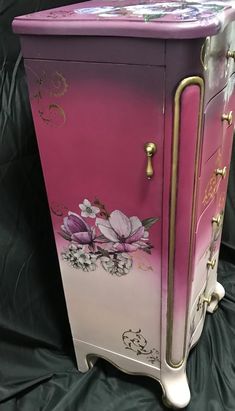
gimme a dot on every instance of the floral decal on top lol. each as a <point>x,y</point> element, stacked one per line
<point>147,10</point>
<point>108,243</point>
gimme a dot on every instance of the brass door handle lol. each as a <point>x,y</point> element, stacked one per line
<point>228,117</point>
<point>221,172</point>
<point>150,149</point>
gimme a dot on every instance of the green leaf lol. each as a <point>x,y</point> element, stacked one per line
<point>149,17</point>
<point>148,222</point>
<point>105,253</point>
<point>146,250</point>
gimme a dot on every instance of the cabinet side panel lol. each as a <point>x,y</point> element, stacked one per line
<point>92,122</point>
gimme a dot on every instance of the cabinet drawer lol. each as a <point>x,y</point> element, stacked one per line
<point>197,313</point>
<point>203,287</point>
<point>200,273</point>
<point>204,231</point>
<point>218,67</point>
<point>212,275</point>
<point>214,126</point>
<point>225,154</point>
<point>209,228</point>
<point>209,181</point>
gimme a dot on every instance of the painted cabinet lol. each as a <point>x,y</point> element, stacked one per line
<point>135,135</point>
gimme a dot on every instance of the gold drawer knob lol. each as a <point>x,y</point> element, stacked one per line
<point>221,172</point>
<point>228,117</point>
<point>211,264</point>
<point>231,54</point>
<point>217,220</point>
<point>207,299</point>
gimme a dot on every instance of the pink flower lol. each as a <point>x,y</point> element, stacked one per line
<point>77,230</point>
<point>127,234</point>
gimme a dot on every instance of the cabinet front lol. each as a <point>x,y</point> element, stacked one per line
<point>92,122</point>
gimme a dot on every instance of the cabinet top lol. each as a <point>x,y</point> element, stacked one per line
<point>174,19</point>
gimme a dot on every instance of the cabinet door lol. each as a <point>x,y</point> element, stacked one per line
<point>92,121</point>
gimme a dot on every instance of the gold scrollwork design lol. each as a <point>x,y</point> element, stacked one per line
<point>143,264</point>
<point>210,190</point>
<point>145,267</point>
<point>58,209</point>
<point>55,85</point>
<point>54,115</point>
<point>213,183</point>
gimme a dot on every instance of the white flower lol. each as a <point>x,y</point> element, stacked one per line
<point>118,264</point>
<point>78,258</point>
<point>88,210</point>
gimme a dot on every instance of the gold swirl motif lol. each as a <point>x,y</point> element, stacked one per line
<point>59,85</point>
<point>59,210</point>
<point>211,189</point>
<point>145,267</point>
<point>53,110</point>
<point>143,264</point>
<point>212,185</point>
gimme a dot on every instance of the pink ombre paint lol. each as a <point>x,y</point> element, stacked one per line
<point>102,79</point>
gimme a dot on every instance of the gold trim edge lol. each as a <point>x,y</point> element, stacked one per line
<point>193,80</point>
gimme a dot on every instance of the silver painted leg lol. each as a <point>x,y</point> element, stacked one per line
<point>176,389</point>
<point>217,295</point>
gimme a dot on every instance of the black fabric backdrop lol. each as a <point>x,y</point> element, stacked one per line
<point>37,366</point>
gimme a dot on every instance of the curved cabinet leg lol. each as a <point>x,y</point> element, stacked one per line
<point>84,363</point>
<point>176,389</point>
<point>217,295</point>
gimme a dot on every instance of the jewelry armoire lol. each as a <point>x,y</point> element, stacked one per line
<point>133,106</point>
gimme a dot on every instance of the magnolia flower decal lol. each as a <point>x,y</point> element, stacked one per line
<point>109,243</point>
<point>126,234</point>
<point>77,230</point>
<point>176,10</point>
